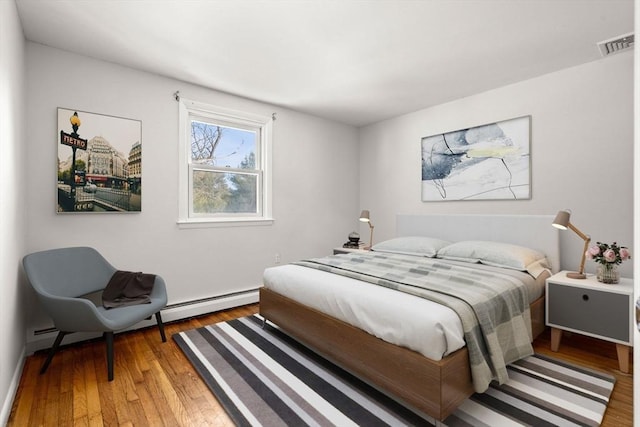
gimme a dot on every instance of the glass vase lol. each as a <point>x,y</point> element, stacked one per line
<point>608,273</point>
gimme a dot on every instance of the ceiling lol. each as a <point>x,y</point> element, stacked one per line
<point>353,61</point>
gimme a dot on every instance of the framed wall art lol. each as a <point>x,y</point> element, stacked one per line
<point>488,162</point>
<point>99,163</point>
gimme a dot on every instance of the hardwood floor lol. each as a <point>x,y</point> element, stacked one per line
<point>155,385</point>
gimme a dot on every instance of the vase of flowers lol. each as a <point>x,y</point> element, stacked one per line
<point>608,256</point>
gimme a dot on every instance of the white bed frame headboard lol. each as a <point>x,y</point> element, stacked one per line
<point>532,231</point>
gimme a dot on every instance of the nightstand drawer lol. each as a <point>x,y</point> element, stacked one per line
<point>588,310</point>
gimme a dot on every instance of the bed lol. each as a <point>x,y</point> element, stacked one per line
<point>434,386</point>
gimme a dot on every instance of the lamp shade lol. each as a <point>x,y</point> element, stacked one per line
<point>364,216</point>
<point>562,220</point>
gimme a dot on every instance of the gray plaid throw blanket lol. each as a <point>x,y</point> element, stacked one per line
<point>494,308</point>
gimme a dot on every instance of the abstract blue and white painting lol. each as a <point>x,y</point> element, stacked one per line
<point>488,162</point>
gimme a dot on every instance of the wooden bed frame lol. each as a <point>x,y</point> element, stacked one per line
<point>435,388</point>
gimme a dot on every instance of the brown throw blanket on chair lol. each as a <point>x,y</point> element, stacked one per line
<point>128,288</point>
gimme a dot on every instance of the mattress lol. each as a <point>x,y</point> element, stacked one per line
<point>431,329</point>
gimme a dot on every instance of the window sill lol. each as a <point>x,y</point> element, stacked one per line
<point>223,222</point>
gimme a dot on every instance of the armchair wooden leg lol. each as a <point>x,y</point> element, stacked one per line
<point>52,351</point>
<point>108,336</point>
<point>161,327</point>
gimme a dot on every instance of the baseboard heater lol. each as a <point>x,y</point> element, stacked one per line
<point>171,313</point>
<point>249,292</point>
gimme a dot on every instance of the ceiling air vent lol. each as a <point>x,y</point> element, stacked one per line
<point>617,44</point>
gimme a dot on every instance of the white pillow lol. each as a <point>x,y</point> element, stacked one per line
<point>536,268</point>
<point>496,254</point>
<point>412,245</point>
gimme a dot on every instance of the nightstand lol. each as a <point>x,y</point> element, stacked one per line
<point>337,251</point>
<point>588,307</point>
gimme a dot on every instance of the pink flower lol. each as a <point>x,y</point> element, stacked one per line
<point>624,254</point>
<point>605,253</point>
<point>609,255</point>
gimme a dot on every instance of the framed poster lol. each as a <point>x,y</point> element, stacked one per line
<point>99,163</point>
<point>488,162</point>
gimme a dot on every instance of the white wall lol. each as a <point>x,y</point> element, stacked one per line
<point>581,149</point>
<point>315,182</point>
<point>12,203</point>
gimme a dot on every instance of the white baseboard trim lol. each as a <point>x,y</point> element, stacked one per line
<point>13,389</point>
<point>172,312</point>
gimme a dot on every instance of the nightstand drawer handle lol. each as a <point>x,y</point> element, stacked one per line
<point>585,297</point>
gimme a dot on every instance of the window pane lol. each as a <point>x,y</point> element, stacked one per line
<point>224,192</point>
<point>222,146</point>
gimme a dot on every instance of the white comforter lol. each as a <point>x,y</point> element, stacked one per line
<point>396,317</point>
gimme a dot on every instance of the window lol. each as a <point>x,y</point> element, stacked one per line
<point>224,165</point>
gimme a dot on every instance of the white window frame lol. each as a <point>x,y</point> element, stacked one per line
<point>193,110</point>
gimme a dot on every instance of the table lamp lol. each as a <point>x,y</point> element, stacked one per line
<point>365,217</point>
<point>562,222</point>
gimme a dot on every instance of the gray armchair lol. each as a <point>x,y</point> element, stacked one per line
<point>62,277</point>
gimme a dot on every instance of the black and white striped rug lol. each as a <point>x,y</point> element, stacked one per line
<point>263,377</point>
